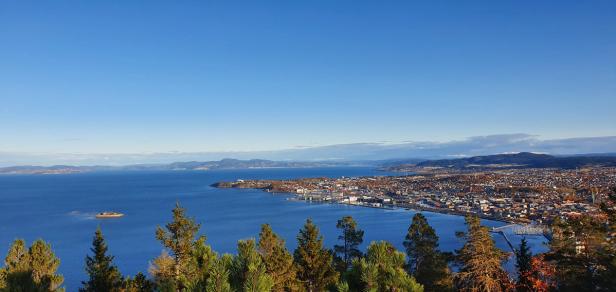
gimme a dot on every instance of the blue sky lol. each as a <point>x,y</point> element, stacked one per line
<point>198,76</point>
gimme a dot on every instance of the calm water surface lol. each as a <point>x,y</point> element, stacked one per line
<point>61,208</point>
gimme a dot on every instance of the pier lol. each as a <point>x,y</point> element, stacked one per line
<point>528,229</point>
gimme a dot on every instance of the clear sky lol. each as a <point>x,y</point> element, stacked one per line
<point>148,76</point>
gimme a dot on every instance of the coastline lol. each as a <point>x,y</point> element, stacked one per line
<point>298,197</point>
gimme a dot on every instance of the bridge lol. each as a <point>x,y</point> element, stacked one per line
<point>527,229</point>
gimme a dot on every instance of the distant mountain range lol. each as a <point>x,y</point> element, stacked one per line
<point>191,165</point>
<point>519,160</point>
<point>524,160</point>
<point>372,151</point>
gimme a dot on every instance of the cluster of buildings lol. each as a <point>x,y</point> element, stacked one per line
<point>514,195</point>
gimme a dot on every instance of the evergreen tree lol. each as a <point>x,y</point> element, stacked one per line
<point>218,280</point>
<point>425,261</point>
<point>104,275</point>
<point>248,272</point>
<point>44,265</point>
<point>203,260</point>
<point>314,262</point>
<point>342,287</point>
<point>481,261</point>
<point>351,238</point>
<point>17,274</point>
<point>278,260</point>
<point>179,239</point>
<point>18,258</point>
<point>523,266</point>
<point>138,284</point>
<point>33,269</point>
<point>383,270</point>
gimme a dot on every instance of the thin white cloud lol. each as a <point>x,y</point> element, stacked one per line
<point>478,145</point>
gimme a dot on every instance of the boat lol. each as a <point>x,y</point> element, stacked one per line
<point>103,215</point>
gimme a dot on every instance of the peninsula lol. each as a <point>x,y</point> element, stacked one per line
<point>517,195</point>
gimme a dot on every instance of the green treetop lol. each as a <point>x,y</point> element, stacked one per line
<point>278,260</point>
<point>178,237</point>
<point>31,270</point>
<point>248,272</point>
<point>218,280</point>
<point>104,275</point>
<point>426,262</point>
<point>314,262</point>
<point>351,238</point>
<point>382,270</point>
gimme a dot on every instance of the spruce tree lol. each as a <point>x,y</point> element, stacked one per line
<point>523,266</point>
<point>425,261</point>
<point>104,275</point>
<point>178,237</point>
<point>481,261</point>
<point>382,269</point>
<point>314,262</point>
<point>278,260</point>
<point>351,238</point>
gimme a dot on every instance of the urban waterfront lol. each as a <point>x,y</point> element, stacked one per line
<point>61,209</point>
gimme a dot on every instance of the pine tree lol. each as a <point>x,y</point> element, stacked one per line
<point>481,261</point>
<point>278,260</point>
<point>17,259</point>
<point>314,262</point>
<point>342,287</point>
<point>104,275</point>
<point>33,269</point>
<point>44,265</point>
<point>351,238</point>
<point>248,272</point>
<point>179,238</point>
<point>523,266</point>
<point>17,269</point>
<point>383,270</point>
<point>218,280</point>
<point>203,259</point>
<point>425,261</point>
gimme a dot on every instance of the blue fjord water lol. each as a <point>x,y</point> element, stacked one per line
<point>61,208</point>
